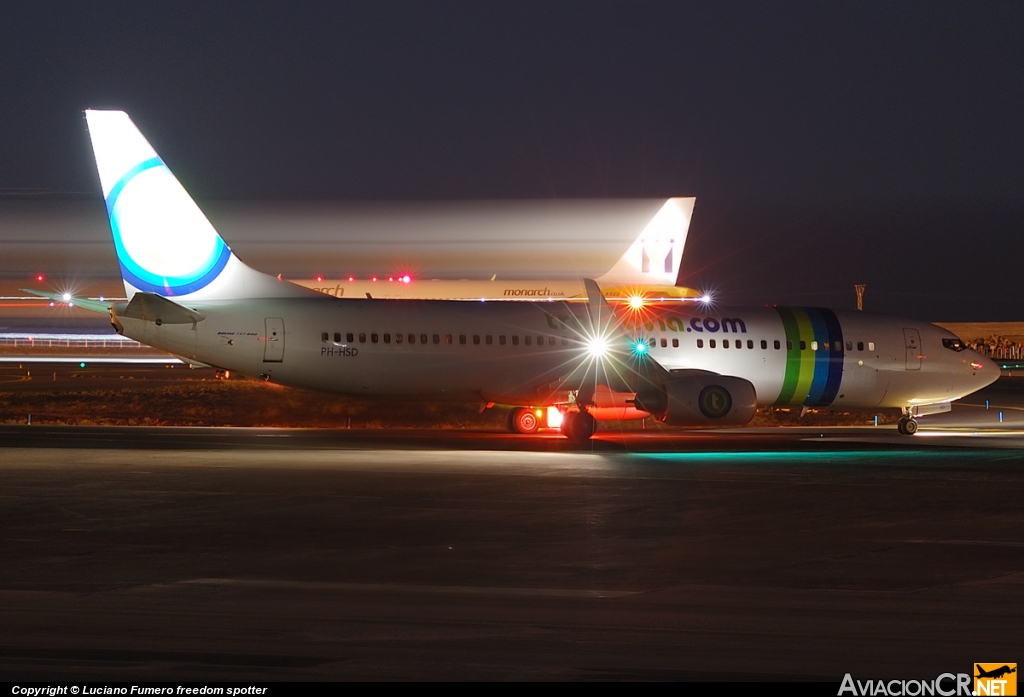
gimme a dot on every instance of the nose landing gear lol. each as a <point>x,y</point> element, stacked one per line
<point>907,426</point>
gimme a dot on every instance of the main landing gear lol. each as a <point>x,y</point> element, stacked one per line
<point>907,426</point>
<point>523,420</point>
<point>578,426</point>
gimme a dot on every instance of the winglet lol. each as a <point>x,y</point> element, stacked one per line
<point>597,306</point>
<point>594,295</point>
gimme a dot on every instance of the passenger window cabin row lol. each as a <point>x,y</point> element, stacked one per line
<point>777,345</point>
<point>449,339</point>
<point>528,340</point>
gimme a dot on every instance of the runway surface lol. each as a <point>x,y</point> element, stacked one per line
<point>260,554</point>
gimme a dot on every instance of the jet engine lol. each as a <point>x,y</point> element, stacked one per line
<point>699,398</point>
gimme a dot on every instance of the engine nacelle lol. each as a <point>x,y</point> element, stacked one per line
<point>700,398</point>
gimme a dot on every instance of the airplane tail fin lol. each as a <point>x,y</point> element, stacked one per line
<point>655,255</point>
<point>164,243</point>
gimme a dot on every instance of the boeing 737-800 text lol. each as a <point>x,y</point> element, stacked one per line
<point>687,365</point>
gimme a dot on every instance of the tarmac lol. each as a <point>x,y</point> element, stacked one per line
<point>271,554</point>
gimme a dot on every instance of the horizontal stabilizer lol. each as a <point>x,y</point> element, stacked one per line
<point>150,307</point>
<point>101,306</point>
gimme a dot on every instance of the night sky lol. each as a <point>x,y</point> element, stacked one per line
<point>827,144</point>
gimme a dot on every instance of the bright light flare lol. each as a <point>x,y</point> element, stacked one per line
<point>636,301</point>
<point>554,417</point>
<point>640,347</point>
<point>66,297</point>
<point>597,346</point>
<point>706,298</point>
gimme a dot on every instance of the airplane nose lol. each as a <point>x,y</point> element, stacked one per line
<point>984,370</point>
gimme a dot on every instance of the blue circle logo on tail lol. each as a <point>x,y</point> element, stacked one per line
<point>164,243</point>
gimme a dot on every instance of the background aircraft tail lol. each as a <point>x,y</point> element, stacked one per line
<point>164,243</point>
<point>654,257</point>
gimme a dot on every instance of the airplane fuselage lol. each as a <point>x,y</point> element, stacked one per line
<point>683,363</point>
<point>532,353</point>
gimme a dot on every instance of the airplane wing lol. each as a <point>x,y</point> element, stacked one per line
<point>632,356</point>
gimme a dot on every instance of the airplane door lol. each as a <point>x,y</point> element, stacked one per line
<point>273,350</point>
<point>912,338</point>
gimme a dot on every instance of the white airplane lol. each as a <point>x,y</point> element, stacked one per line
<point>687,365</point>
<point>647,271</point>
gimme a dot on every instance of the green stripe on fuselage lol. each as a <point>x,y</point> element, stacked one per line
<point>796,384</point>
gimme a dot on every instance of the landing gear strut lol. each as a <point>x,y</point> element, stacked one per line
<point>907,426</point>
<point>578,426</point>
<point>522,420</point>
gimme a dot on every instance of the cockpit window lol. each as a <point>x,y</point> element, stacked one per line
<point>954,344</point>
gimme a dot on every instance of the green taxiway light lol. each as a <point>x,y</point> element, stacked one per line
<point>834,457</point>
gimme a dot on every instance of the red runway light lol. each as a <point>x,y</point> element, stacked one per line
<point>40,278</point>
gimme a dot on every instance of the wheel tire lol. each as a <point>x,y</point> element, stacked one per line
<point>510,421</point>
<point>568,427</point>
<point>910,427</point>
<point>578,426</point>
<point>586,426</point>
<point>522,420</point>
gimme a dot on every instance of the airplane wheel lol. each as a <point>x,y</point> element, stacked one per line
<point>578,426</point>
<point>568,424</point>
<point>522,420</point>
<point>907,427</point>
<point>586,426</point>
